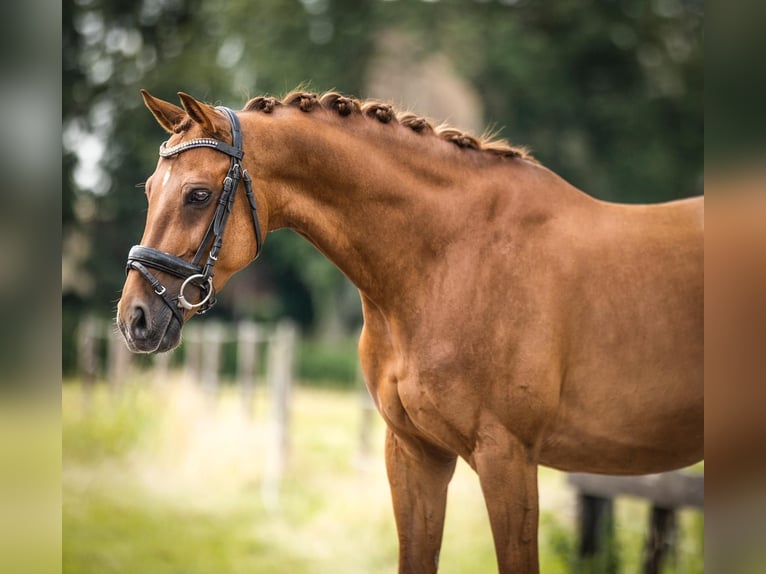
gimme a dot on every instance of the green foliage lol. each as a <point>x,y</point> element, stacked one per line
<point>328,364</point>
<point>691,542</point>
<point>560,543</point>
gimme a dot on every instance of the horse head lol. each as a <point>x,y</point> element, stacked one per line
<point>199,200</point>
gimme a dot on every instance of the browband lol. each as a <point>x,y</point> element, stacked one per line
<point>200,142</point>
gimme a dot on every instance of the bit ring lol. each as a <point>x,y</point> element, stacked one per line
<point>182,302</point>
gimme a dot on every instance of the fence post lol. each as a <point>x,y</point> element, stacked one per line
<point>87,359</point>
<point>365,434</point>
<point>162,367</point>
<point>247,359</point>
<point>118,357</point>
<point>368,412</point>
<point>283,357</point>
<point>212,338</point>
<point>596,525</point>
<point>87,334</point>
<point>280,371</point>
<point>193,350</point>
<point>666,492</point>
<point>661,538</point>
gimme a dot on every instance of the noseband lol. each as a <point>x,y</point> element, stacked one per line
<point>194,273</point>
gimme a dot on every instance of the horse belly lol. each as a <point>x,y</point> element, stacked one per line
<point>609,437</point>
<point>631,410</point>
<point>632,393</point>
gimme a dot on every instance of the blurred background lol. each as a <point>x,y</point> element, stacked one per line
<point>263,455</point>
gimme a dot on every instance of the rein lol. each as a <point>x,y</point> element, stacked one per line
<point>194,273</point>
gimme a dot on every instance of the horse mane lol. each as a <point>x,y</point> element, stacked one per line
<point>385,113</point>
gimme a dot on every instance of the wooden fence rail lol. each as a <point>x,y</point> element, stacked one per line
<point>666,492</point>
<point>103,354</point>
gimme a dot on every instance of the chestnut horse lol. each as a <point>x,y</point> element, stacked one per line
<point>509,318</point>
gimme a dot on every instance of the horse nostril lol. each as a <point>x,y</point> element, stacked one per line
<point>139,325</point>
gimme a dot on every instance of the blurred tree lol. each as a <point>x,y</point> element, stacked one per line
<point>608,94</point>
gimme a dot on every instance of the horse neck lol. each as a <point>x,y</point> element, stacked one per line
<point>382,203</point>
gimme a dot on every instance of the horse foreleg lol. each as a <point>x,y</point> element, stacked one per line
<point>508,480</point>
<point>419,476</point>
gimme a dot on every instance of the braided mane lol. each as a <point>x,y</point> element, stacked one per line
<point>385,113</point>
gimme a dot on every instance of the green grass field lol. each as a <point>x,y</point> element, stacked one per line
<point>164,479</point>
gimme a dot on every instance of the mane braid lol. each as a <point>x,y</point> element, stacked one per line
<point>342,104</point>
<point>415,123</point>
<point>385,113</point>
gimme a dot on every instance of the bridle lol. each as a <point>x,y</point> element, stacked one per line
<point>194,273</point>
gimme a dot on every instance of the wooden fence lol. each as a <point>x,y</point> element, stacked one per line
<point>102,354</point>
<point>666,492</point>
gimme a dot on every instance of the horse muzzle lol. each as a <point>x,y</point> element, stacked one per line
<point>147,325</point>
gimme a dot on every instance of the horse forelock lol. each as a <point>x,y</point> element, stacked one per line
<point>385,113</point>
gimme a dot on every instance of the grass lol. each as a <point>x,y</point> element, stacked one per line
<point>167,479</point>
<point>179,486</point>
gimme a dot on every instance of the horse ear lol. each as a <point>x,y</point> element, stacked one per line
<point>167,115</point>
<point>204,115</point>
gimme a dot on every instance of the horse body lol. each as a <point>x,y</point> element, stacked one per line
<point>509,319</point>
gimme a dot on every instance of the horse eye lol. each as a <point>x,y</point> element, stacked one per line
<point>197,196</point>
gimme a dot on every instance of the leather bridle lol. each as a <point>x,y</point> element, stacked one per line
<point>195,273</point>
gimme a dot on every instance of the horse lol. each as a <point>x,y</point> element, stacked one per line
<point>510,319</point>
